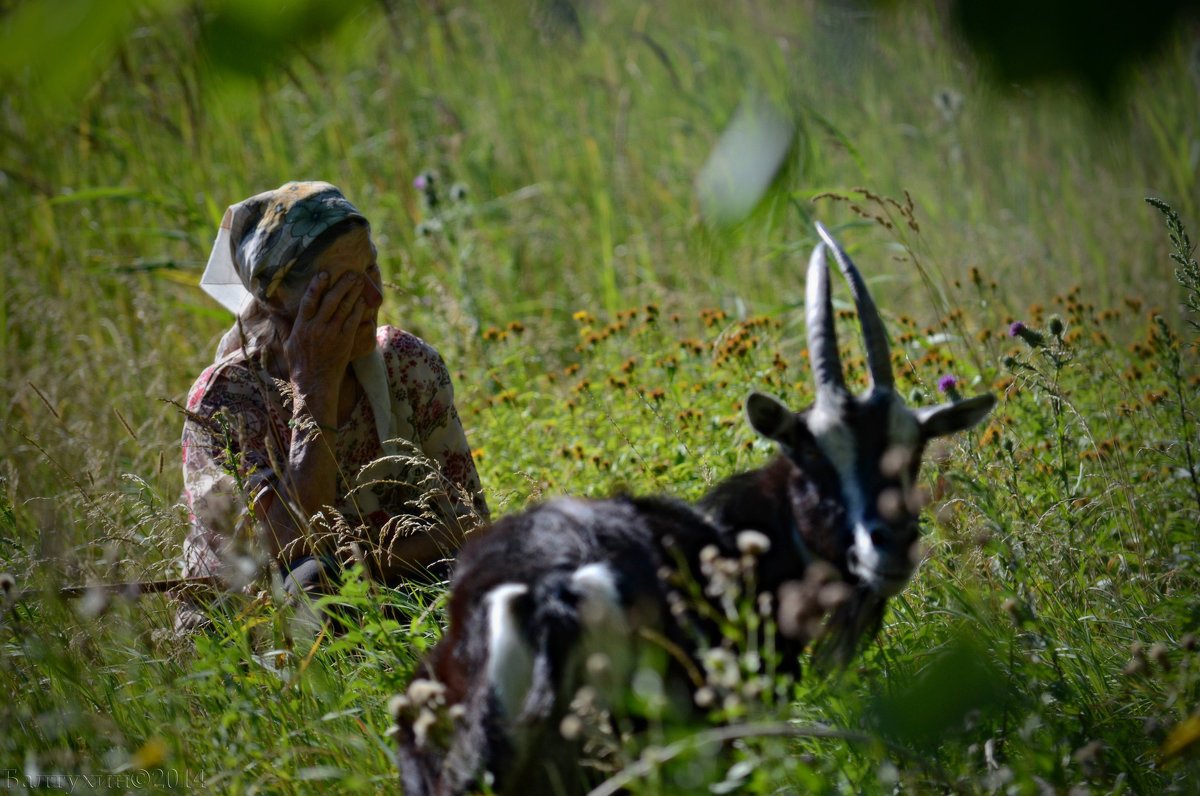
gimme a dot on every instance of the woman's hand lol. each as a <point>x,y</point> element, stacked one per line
<point>319,347</point>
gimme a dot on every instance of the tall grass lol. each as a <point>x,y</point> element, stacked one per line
<point>566,291</point>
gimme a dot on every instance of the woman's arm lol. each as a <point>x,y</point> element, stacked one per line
<point>317,353</point>
<point>449,502</point>
<point>308,484</point>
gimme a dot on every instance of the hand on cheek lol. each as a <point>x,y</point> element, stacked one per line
<point>323,335</point>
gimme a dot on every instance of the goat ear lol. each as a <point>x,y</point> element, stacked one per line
<point>771,418</point>
<point>938,421</point>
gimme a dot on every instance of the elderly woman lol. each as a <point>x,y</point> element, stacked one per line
<point>315,438</point>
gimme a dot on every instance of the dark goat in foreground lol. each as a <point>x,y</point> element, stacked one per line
<point>574,593</point>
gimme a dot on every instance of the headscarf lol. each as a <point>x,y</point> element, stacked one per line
<point>261,238</point>
<point>259,241</point>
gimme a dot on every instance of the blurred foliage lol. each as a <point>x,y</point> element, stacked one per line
<point>59,48</point>
<point>256,37</point>
<point>1091,42</point>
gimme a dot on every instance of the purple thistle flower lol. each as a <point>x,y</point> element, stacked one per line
<point>947,383</point>
<point>421,182</point>
<point>1019,329</point>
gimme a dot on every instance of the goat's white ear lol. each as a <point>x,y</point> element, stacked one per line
<point>943,419</point>
<point>771,418</point>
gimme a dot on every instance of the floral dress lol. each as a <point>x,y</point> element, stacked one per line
<point>237,435</point>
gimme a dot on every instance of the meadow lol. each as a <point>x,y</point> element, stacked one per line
<point>603,332</point>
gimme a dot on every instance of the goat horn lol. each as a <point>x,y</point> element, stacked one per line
<point>875,340</point>
<point>822,338</point>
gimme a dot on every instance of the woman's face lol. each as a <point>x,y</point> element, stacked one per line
<point>355,252</point>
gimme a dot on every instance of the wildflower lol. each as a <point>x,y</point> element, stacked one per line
<point>424,723</point>
<point>948,384</point>
<point>721,667</point>
<point>1137,661</point>
<point>1055,325</point>
<point>428,228</point>
<point>753,543</point>
<point>571,727</point>
<point>458,192</point>
<point>423,180</point>
<point>754,687</point>
<point>598,664</point>
<point>834,594</point>
<point>1158,654</point>
<point>7,583</point>
<point>398,706</point>
<point>426,692</point>
<point>1033,338</point>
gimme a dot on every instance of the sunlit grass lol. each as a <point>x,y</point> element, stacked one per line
<point>602,339</point>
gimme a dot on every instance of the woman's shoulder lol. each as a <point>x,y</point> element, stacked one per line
<point>404,351</point>
<point>228,380</point>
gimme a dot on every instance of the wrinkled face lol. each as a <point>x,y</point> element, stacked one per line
<point>861,456</point>
<point>355,252</point>
<point>351,252</point>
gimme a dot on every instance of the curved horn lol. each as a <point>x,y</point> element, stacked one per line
<point>875,339</point>
<point>822,338</point>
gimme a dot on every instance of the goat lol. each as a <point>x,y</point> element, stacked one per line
<point>535,598</point>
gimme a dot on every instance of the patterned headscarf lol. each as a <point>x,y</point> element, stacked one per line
<point>261,238</point>
<point>259,241</point>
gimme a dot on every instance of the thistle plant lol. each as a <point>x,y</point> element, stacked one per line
<point>1187,271</point>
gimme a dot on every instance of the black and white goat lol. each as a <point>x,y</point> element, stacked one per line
<point>536,598</point>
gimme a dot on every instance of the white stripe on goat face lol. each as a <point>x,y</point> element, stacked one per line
<point>840,446</point>
<point>510,660</point>
<point>884,570</point>
<point>606,651</point>
<point>904,436</point>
